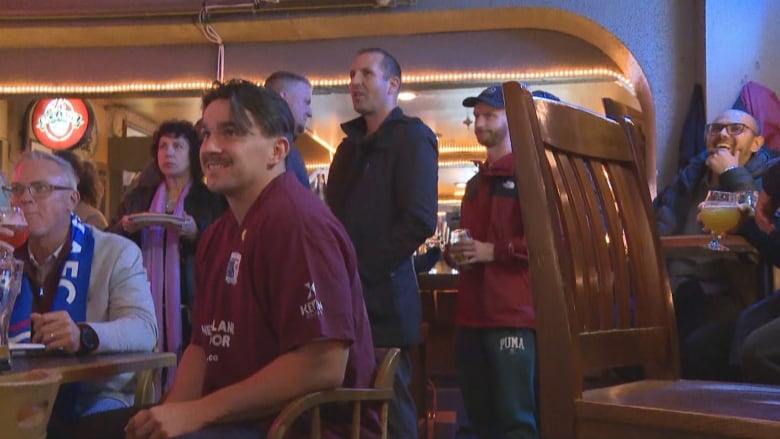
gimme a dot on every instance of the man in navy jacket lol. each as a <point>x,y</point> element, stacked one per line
<point>382,185</point>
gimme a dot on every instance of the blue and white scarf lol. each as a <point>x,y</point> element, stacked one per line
<point>72,291</point>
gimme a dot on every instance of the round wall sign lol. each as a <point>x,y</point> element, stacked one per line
<point>61,123</point>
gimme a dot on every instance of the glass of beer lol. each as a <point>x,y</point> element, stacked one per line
<point>12,218</point>
<point>720,213</point>
<point>456,236</point>
<point>11,271</point>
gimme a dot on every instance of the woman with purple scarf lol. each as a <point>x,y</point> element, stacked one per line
<point>173,185</point>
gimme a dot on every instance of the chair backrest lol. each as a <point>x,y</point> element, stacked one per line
<point>600,285</point>
<point>634,123</point>
<point>385,373</point>
<point>381,393</point>
<point>26,403</point>
<point>617,111</point>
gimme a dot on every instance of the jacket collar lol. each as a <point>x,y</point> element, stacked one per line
<point>356,128</point>
<point>505,166</point>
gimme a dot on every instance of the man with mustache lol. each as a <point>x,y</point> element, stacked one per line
<point>704,288</point>
<point>279,310</point>
<point>382,185</point>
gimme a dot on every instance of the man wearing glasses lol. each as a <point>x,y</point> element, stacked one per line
<point>84,291</point>
<point>706,290</point>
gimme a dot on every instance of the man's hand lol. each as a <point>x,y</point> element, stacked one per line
<point>129,225</point>
<point>56,330</point>
<point>188,229</point>
<point>721,160</point>
<point>765,212</point>
<point>164,421</point>
<point>474,251</point>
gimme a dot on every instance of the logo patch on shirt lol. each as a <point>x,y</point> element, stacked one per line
<point>509,184</point>
<point>231,275</point>
<point>313,307</point>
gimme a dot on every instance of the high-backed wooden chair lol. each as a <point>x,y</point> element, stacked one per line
<point>634,123</point>
<point>601,291</point>
<point>26,403</point>
<point>381,392</point>
<point>617,111</point>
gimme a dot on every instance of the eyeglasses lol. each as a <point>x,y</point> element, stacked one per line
<point>37,190</point>
<point>733,129</point>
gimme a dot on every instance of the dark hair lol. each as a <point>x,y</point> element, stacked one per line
<point>265,107</point>
<point>280,78</point>
<point>179,128</point>
<point>390,65</point>
<point>86,175</point>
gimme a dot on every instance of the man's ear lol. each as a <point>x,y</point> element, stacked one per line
<point>395,85</point>
<point>75,196</point>
<point>758,142</point>
<point>280,150</point>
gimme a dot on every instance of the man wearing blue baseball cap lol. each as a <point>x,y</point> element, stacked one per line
<point>496,340</point>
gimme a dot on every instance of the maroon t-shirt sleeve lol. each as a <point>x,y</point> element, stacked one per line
<point>308,284</point>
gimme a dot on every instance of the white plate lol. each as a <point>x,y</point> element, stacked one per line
<point>155,219</point>
<point>26,346</point>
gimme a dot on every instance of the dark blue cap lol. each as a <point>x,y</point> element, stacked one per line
<point>493,96</point>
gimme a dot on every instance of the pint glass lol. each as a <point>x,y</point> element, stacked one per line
<point>10,284</point>
<point>456,236</point>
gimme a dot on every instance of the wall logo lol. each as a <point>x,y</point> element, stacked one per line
<point>61,123</point>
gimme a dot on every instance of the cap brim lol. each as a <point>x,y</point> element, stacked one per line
<point>473,101</point>
<point>470,102</point>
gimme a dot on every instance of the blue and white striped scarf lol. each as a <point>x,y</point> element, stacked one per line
<point>72,291</point>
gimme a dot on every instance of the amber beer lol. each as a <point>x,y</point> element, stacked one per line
<point>456,236</point>
<point>720,218</point>
<point>19,237</point>
<point>12,219</point>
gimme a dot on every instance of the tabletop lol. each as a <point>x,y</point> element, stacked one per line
<point>693,245</point>
<point>90,367</point>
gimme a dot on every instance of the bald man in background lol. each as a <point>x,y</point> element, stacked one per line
<point>710,292</point>
<point>296,90</point>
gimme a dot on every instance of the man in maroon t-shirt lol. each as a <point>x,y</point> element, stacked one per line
<point>279,310</point>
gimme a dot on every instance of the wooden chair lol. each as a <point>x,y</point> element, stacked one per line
<point>633,121</point>
<point>146,387</point>
<point>601,291</point>
<point>26,403</point>
<point>381,392</point>
<point>618,111</point>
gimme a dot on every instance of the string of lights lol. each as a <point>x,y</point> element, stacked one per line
<point>432,78</point>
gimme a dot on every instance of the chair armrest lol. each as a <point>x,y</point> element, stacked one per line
<point>145,387</point>
<point>284,420</point>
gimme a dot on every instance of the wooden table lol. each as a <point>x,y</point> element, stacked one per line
<point>693,245</point>
<point>91,367</point>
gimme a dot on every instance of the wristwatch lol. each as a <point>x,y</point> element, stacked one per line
<point>88,338</point>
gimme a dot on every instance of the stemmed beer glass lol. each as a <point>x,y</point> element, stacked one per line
<point>12,218</point>
<point>719,213</point>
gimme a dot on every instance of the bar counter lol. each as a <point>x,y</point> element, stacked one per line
<point>440,281</point>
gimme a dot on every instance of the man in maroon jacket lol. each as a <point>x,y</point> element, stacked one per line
<point>496,341</point>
